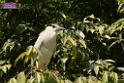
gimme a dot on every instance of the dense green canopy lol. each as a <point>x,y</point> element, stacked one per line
<point>90,50</point>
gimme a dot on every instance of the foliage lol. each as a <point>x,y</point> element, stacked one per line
<point>90,50</point>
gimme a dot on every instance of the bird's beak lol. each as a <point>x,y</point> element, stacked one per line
<point>61,28</point>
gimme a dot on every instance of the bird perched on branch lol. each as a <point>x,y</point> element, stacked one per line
<point>46,45</point>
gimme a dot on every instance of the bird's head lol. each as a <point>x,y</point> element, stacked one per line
<point>54,27</point>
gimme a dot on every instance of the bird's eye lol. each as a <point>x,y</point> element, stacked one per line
<point>53,26</point>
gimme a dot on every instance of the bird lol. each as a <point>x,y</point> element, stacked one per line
<point>46,45</point>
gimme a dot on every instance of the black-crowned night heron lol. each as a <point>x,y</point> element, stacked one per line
<point>46,45</point>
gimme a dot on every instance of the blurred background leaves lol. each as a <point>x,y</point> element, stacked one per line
<point>90,50</point>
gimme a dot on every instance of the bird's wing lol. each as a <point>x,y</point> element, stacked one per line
<point>39,41</point>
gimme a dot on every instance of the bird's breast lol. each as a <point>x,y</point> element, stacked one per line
<point>50,42</point>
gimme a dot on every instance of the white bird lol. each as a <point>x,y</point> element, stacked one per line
<point>46,45</point>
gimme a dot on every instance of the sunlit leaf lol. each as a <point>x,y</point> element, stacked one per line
<point>83,43</point>
<point>105,77</point>
<point>92,30</point>
<point>109,60</point>
<point>67,81</point>
<point>37,78</point>
<point>63,15</point>
<point>5,66</point>
<point>81,80</point>
<point>92,79</point>
<point>101,29</point>
<point>114,77</point>
<point>120,68</point>
<point>22,55</point>
<point>30,80</point>
<point>21,78</point>
<point>29,49</point>
<point>12,80</point>
<point>96,69</point>
<point>107,36</point>
<point>64,59</point>
<point>72,41</point>
<point>80,34</point>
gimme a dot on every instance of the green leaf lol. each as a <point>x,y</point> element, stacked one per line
<point>21,78</point>
<point>64,60</point>
<point>42,78</point>
<point>101,29</point>
<point>65,39</point>
<point>109,60</point>
<point>81,80</point>
<point>50,79</point>
<point>9,44</point>
<point>92,30</point>
<point>5,67</point>
<point>29,49</point>
<point>113,43</point>
<point>30,80</point>
<point>105,77</point>
<point>22,55</point>
<point>21,28</point>
<point>12,80</point>
<point>107,36</point>
<point>120,68</point>
<point>67,81</point>
<point>37,78</point>
<point>83,43</point>
<point>96,69</point>
<point>63,15</point>
<point>92,79</point>
<point>72,41</point>
<point>80,34</point>
<point>114,77</point>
